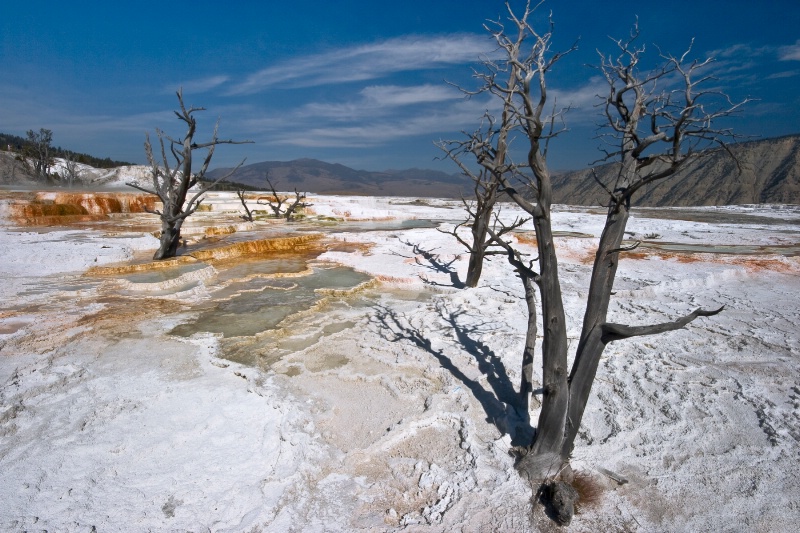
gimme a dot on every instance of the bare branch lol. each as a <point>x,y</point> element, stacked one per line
<point>172,184</point>
<point>614,332</point>
<point>624,248</point>
<point>136,186</point>
<point>248,216</point>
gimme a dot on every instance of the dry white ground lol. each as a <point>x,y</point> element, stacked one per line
<point>385,408</point>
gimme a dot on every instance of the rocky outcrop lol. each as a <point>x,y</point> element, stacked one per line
<point>768,172</point>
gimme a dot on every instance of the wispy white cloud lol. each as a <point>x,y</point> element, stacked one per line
<point>790,53</point>
<point>396,95</point>
<point>581,99</point>
<point>200,85</point>
<point>368,61</point>
<point>738,64</point>
<point>744,51</point>
<point>379,115</point>
<point>204,84</point>
<point>369,134</point>
<point>380,100</point>
<point>784,74</point>
<point>354,125</point>
<point>740,50</point>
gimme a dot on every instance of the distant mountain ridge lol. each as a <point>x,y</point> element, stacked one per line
<point>768,172</point>
<point>312,175</point>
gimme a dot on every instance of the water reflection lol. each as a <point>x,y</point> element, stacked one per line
<point>360,226</point>
<point>258,305</point>
<point>788,250</point>
<point>163,274</point>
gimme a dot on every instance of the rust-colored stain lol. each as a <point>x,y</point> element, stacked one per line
<point>285,244</point>
<point>753,263</point>
<point>263,200</point>
<point>57,208</point>
<point>46,214</point>
<point>790,265</point>
<point>526,238</point>
<point>104,203</point>
<point>140,267</point>
<point>364,248</point>
<point>213,231</point>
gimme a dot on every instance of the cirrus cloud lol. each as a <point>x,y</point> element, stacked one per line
<point>790,53</point>
<point>368,61</point>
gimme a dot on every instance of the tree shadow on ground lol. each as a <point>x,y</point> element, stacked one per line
<point>500,401</point>
<point>435,263</point>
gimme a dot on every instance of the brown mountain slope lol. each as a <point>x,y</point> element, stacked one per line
<point>770,174</point>
<point>311,175</point>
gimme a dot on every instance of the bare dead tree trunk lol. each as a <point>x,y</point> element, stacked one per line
<point>277,202</point>
<point>490,149</point>
<point>481,213</point>
<point>172,185</point>
<point>475,264</point>
<point>298,203</point>
<point>528,353</point>
<point>656,134</point>
<point>72,171</point>
<point>479,216</point>
<point>39,150</point>
<point>652,134</point>
<point>248,215</point>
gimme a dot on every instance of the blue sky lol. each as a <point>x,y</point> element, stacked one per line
<point>361,83</point>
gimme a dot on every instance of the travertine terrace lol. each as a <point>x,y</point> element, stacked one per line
<point>323,376</point>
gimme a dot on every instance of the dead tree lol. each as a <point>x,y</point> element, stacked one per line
<point>492,145</point>
<point>480,209</point>
<point>248,215</point>
<point>657,122</point>
<point>277,202</point>
<point>655,132</point>
<point>38,149</point>
<point>509,80</point>
<point>172,184</point>
<point>72,170</point>
<point>298,203</point>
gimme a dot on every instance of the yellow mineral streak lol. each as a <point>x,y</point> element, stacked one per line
<point>285,244</point>
<point>302,243</point>
<point>140,267</point>
<point>344,293</point>
<point>219,230</point>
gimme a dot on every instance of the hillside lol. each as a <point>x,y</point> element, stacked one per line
<point>770,174</point>
<point>14,172</point>
<point>315,176</point>
<point>22,144</point>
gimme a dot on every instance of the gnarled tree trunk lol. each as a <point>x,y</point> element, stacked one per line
<point>653,135</point>
<point>172,185</point>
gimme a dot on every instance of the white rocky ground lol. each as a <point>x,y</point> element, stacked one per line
<point>382,409</point>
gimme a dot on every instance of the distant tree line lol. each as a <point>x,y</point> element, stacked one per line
<point>23,145</point>
<point>227,185</point>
